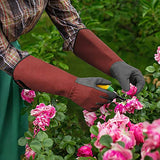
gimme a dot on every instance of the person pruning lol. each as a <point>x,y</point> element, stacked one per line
<point>18,17</point>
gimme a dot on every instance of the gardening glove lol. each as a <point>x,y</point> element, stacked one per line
<point>35,74</point>
<point>92,50</point>
<point>127,74</point>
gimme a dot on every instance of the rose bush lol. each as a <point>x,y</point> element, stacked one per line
<point>119,130</point>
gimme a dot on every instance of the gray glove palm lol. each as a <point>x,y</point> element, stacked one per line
<point>127,74</point>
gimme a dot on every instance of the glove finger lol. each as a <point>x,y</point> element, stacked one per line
<point>102,81</point>
<point>138,81</point>
<point>124,82</point>
<point>140,84</point>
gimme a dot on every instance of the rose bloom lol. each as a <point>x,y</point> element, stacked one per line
<point>137,129</point>
<point>155,155</point>
<point>117,152</point>
<point>42,121</point>
<point>90,117</point>
<point>29,152</point>
<point>49,110</point>
<point>28,95</point>
<point>120,107</point>
<point>132,104</point>
<point>157,56</point>
<point>132,91</point>
<point>153,132</point>
<point>85,151</point>
<point>117,129</point>
<point>147,147</point>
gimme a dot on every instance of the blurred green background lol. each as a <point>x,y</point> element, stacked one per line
<point>130,28</point>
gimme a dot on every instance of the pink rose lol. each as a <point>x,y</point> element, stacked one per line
<point>138,132</point>
<point>43,115</point>
<point>42,121</point>
<point>157,56</point>
<point>147,147</point>
<point>154,155</point>
<point>28,95</point>
<point>132,104</point>
<point>117,152</point>
<point>128,138</point>
<point>29,152</point>
<point>132,91</point>
<point>49,110</point>
<point>85,151</point>
<point>90,117</point>
<point>117,129</point>
<point>153,132</point>
<point>120,107</point>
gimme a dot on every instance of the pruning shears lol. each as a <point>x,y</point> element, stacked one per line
<point>109,88</point>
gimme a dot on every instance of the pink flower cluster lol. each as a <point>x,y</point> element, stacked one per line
<point>117,152</point>
<point>152,143</point>
<point>120,129</point>
<point>128,106</point>
<point>28,95</point>
<point>157,56</point>
<point>29,152</point>
<point>43,115</point>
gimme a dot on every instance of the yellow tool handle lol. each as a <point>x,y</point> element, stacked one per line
<point>107,87</point>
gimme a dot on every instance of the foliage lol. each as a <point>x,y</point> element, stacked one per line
<point>130,28</point>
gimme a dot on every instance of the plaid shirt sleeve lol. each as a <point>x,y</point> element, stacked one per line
<point>66,19</point>
<point>9,56</point>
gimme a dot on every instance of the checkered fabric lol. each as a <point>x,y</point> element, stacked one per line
<point>18,17</point>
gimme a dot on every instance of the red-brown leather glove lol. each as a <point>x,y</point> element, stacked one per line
<point>92,50</point>
<point>35,74</point>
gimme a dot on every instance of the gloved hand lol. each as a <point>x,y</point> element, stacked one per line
<point>127,74</point>
<point>35,74</point>
<point>92,50</point>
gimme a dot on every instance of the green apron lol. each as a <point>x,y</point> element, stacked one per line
<point>12,123</point>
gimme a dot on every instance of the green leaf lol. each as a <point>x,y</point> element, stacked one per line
<point>63,66</point>
<point>106,140</point>
<point>67,138</point>
<point>121,143</point>
<point>158,104</point>
<point>156,74</point>
<point>110,13</point>
<point>45,97</point>
<point>48,142</point>
<point>53,123</point>
<point>150,69</point>
<point>94,130</point>
<point>41,136</point>
<point>154,3</point>
<point>61,107</point>
<point>28,134</point>
<point>41,157</point>
<point>22,141</point>
<point>60,116</point>
<point>67,157</point>
<point>70,149</point>
<point>148,158</point>
<point>55,157</point>
<point>35,146</point>
<point>158,90</point>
